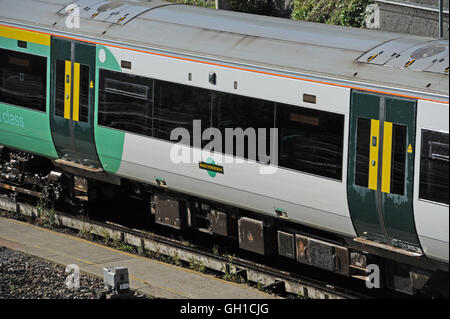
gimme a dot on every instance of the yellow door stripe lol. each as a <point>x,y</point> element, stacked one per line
<point>67,88</point>
<point>387,158</point>
<point>24,35</point>
<point>76,91</point>
<point>373,160</point>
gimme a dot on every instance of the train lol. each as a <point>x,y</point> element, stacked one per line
<point>92,91</point>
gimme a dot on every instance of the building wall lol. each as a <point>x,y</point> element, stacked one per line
<point>388,16</point>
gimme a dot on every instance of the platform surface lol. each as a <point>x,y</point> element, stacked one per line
<point>147,276</point>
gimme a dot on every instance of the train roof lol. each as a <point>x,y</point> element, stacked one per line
<point>407,62</point>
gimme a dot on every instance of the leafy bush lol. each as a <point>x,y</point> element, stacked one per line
<point>199,3</point>
<point>343,12</point>
<point>276,8</point>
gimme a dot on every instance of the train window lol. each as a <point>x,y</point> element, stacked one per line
<point>23,79</point>
<point>128,89</point>
<point>434,162</point>
<point>125,102</point>
<point>362,152</point>
<point>310,141</point>
<point>249,114</point>
<point>398,159</point>
<point>84,93</point>
<point>60,87</point>
<point>177,106</point>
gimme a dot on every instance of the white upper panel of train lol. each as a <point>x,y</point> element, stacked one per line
<point>409,63</point>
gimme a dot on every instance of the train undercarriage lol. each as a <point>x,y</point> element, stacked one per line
<point>264,237</point>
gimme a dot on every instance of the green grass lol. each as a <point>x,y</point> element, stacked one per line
<point>86,232</point>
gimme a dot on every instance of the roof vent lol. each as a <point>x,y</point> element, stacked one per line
<point>410,53</point>
<point>119,12</point>
<point>110,6</point>
<point>428,51</point>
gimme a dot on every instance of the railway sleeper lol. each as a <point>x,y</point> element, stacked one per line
<point>278,286</point>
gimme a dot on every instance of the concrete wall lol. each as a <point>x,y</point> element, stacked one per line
<point>406,18</point>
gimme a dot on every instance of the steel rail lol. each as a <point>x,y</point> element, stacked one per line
<point>252,271</point>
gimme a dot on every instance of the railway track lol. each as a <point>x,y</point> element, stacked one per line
<point>266,277</point>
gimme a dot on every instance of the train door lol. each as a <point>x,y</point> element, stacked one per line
<point>72,107</point>
<point>380,171</point>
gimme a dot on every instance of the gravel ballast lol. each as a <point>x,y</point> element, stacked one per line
<point>27,277</point>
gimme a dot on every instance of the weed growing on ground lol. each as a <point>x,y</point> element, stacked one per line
<point>196,265</point>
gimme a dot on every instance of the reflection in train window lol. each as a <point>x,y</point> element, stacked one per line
<point>310,141</point>
<point>363,152</point>
<point>434,162</point>
<point>398,167</point>
<point>255,117</point>
<point>23,79</point>
<point>125,102</point>
<point>60,87</point>
<point>177,106</point>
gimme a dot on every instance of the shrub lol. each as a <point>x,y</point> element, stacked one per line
<point>199,3</point>
<point>344,12</point>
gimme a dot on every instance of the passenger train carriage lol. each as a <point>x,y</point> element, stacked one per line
<point>362,119</point>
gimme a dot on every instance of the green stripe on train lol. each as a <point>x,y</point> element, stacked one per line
<point>109,142</point>
<point>22,128</point>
